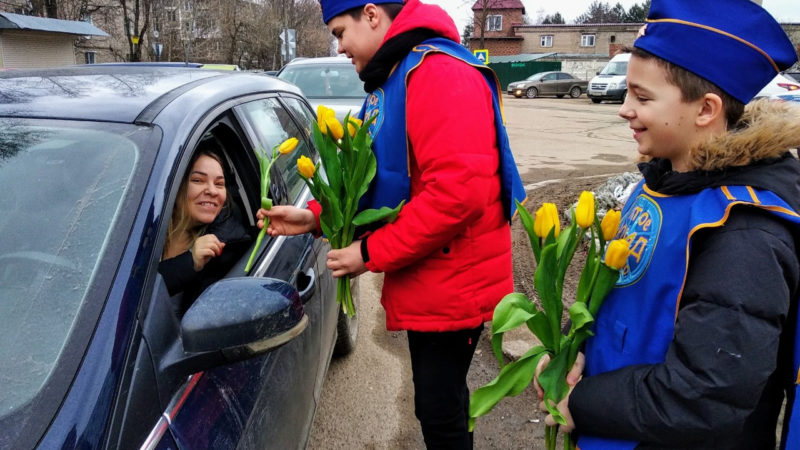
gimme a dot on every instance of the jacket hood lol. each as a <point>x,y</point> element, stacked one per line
<point>766,130</point>
<point>416,14</point>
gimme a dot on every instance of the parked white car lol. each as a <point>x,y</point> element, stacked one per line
<point>781,88</point>
<point>330,81</point>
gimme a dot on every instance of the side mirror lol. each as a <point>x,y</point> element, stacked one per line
<point>597,73</point>
<point>243,317</point>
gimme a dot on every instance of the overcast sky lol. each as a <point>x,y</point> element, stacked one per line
<point>460,10</point>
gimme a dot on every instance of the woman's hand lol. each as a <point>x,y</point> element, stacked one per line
<point>347,261</point>
<point>204,248</point>
<point>287,220</point>
<point>573,377</point>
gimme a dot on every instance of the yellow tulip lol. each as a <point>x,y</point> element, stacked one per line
<point>335,127</point>
<point>584,212</point>
<point>352,124</point>
<point>546,219</point>
<point>287,146</point>
<point>610,223</point>
<point>305,166</point>
<point>617,253</point>
<point>322,113</point>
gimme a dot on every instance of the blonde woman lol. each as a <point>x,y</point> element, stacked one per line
<point>204,240</point>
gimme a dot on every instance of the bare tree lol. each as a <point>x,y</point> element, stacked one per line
<point>136,20</point>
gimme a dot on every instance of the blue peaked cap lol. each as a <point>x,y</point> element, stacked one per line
<point>332,8</point>
<point>734,44</point>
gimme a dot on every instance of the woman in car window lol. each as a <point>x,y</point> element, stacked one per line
<point>204,238</point>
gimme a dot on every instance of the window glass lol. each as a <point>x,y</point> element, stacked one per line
<point>271,125</point>
<point>587,40</point>
<point>494,23</point>
<point>564,76</point>
<point>547,41</point>
<point>68,187</point>
<point>325,80</point>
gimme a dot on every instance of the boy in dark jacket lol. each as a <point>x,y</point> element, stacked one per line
<point>441,145</point>
<point>694,347</point>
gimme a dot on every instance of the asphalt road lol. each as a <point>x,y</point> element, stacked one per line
<point>367,400</point>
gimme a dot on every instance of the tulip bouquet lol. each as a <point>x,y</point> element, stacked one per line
<point>553,250</point>
<point>349,166</point>
<point>265,162</point>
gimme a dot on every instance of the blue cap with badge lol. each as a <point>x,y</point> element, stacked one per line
<point>735,44</point>
<point>332,8</point>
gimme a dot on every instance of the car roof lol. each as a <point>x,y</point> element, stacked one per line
<point>117,93</point>
<point>319,60</point>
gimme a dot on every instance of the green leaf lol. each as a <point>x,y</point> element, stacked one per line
<point>606,280</point>
<point>513,310</point>
<point>329,157</point>
<point>588,275</point>
<point>580,317</point>
<point>540,327</point>
<point>374,215</point>
<point>527,223</point>
<point>554,383</point>
<point>511,381</point>
<point>544,280</point>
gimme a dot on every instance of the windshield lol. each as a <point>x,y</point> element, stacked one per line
<point>615,68</point>
<point>64,187</point>
<point>325,80</point>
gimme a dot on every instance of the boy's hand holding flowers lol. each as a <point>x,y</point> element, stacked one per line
<point>556,365</point>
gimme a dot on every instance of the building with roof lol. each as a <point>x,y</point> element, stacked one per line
<point>581,49</point>
<point>28,42</point>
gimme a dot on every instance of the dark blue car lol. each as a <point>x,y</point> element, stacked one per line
<point>93,353</point>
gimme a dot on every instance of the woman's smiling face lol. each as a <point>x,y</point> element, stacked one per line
<point>205,192</point>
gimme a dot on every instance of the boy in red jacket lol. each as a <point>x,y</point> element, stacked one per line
<point>440,144</point>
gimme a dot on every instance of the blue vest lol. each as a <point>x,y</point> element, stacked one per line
<point>659,229</point>
<point>392,182</point>
<point>791,425</point>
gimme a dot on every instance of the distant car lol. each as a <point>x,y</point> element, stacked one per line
<point>93,351</point>
<point>781,88</point>
<point>330,81</point>
<point>548,83</point>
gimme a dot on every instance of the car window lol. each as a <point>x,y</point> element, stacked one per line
<point>549,77</point>
<point>68,183</point>
<point>325,80</point>
<point>564,76</point>
<point>272,124</point>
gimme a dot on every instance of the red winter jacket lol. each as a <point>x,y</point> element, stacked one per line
<point>447,257</point>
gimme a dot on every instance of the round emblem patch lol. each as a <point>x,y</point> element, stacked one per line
<point>640,227</point>
<point>375,103</point>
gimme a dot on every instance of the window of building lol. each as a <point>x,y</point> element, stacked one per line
<point>494,23</point>
<point>90,57</point>
<point>172,15</point>
<point>587,40</point>
<point>547,40</point>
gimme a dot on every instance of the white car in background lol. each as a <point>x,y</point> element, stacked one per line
<point>781,88</point>
<point>331,81</point>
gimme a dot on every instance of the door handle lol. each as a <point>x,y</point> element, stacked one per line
<point>305,284</point>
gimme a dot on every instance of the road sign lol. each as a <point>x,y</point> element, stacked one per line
<point>482,55</point>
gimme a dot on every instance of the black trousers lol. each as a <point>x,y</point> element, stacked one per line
<point>439,363</point>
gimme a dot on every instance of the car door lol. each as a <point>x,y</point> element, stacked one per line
<point>565,81</point>
<point>549,84</point>
<point>267,400</point>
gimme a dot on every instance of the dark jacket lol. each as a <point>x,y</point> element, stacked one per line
<point>739,301</point>
<point>179,273</point>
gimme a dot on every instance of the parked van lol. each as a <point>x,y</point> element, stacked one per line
<point>609,84</point>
